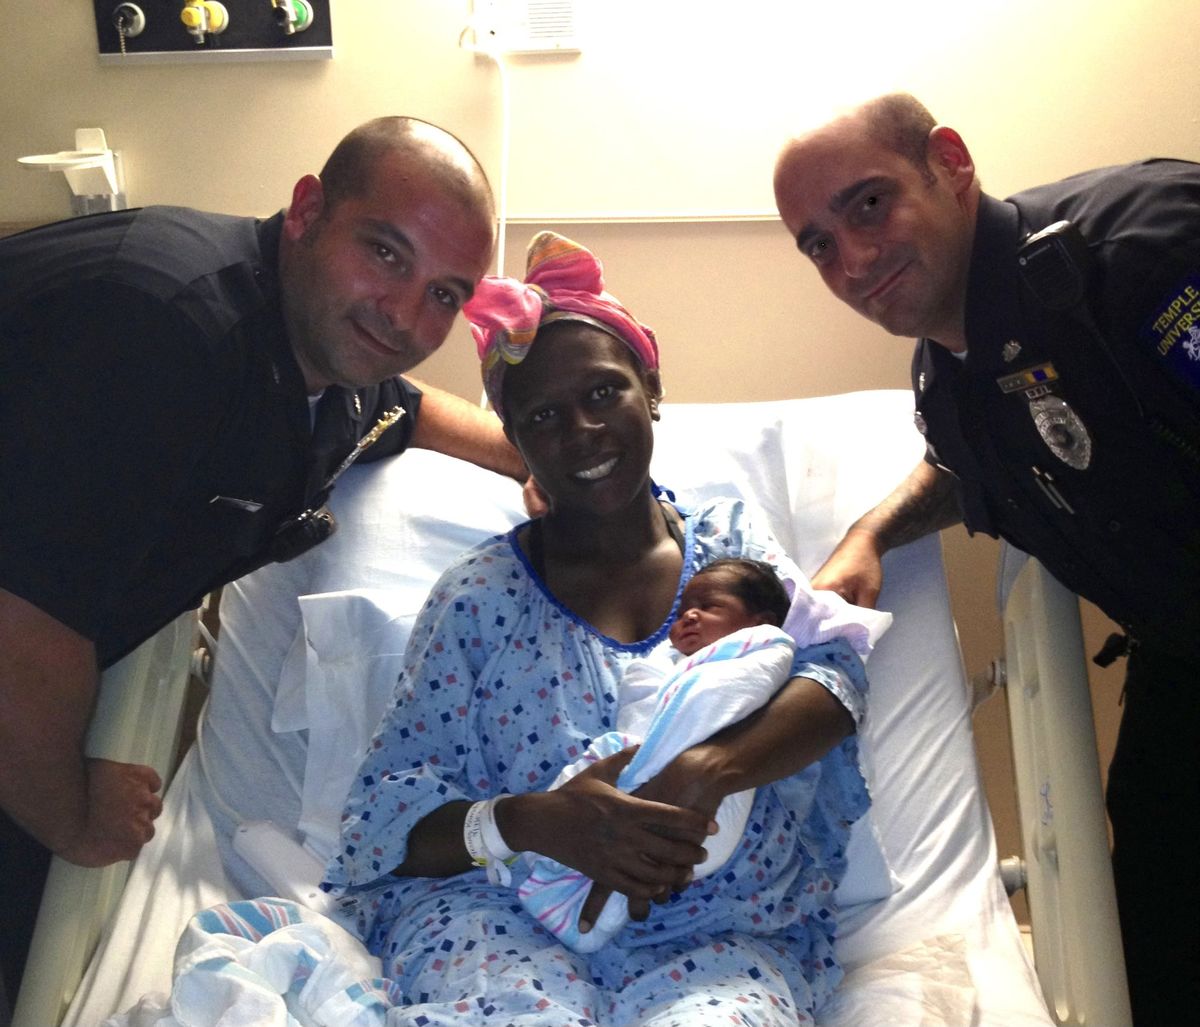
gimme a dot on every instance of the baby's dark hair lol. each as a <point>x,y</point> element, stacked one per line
<point>756,584</point>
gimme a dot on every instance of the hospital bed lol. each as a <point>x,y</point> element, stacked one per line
<point>307,655</point>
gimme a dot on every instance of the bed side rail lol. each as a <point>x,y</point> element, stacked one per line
<point>137,720</point>
<point>1068,869</point>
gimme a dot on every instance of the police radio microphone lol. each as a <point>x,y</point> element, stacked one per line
<point>1054,265</point>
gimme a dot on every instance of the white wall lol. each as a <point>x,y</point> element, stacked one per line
<point>672,108</point>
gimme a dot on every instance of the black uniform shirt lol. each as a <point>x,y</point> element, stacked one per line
<point>1115,512</point>
<point>154,425</point>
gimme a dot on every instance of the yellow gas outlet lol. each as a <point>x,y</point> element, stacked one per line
<point>204,17</point>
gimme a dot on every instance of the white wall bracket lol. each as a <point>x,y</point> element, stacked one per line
<point>525,26</point>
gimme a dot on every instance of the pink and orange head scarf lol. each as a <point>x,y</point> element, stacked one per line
<point>563,281</point>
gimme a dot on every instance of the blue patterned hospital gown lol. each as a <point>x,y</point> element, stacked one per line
<point>503,687</point>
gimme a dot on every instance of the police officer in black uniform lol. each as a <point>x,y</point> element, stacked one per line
<point>178,394</point>
<point>1056,382</point>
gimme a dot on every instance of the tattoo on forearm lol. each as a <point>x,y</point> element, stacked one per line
<point>919,506</point>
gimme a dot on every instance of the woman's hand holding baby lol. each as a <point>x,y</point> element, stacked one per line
<point>640,848</point>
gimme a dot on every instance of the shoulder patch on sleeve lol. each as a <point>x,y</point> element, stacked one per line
<point>1173,329</point>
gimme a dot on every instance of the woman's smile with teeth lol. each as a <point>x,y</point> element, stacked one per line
<point>599,471</point>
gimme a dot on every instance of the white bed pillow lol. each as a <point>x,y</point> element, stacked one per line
<point>353,652</point>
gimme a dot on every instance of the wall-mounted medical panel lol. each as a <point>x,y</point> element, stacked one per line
<point>160,31</point>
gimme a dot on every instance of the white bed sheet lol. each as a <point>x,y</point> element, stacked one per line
<point>943,949</point>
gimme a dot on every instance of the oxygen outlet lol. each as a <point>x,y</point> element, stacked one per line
<point>204,17</point>
<point>292,15</point>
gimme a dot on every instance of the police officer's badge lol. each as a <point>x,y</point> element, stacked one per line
<point>1062,430</point>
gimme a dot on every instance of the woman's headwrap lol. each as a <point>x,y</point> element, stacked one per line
<point>563,281</point>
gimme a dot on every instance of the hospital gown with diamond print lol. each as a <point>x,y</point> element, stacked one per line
<point>502,686</point>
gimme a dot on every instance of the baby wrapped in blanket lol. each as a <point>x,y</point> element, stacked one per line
<point>729,654</point>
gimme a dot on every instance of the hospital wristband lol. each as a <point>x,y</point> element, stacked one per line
<point>473,834</point>
<point>494,841</point>
<point>485,845</point>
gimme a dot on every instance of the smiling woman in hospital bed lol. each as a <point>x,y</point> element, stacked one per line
<point>513,667</point>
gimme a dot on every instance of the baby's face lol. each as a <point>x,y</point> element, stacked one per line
<point>709,610</point>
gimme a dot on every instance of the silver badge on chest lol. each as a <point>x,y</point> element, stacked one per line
<point>1062,431</point>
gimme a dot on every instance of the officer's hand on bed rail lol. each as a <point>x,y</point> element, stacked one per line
<point>854,570</point>
<point>122,807</point>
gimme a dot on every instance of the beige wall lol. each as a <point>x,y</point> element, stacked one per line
<point>672,109</point>
<point>673,105</point>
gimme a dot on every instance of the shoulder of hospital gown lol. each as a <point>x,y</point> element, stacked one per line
<point>419,756</point>
<point>453,604</point>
